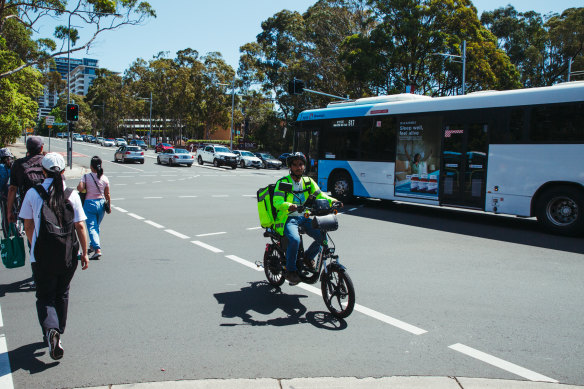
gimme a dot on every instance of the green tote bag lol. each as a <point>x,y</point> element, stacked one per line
<point>13,248</point>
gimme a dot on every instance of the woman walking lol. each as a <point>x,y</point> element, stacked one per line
<point>98,192</point>
<point>54,261</point>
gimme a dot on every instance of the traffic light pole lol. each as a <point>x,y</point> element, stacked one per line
<point>326,94</point>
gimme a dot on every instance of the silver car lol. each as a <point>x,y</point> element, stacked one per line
<point>175,157</point>
<point>129,154</point>
<point>247,159</point>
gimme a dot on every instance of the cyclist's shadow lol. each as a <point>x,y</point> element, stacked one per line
<point>264,299</point>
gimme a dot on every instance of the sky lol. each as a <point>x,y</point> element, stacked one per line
<point>223,26</point>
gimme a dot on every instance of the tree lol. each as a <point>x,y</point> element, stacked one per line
<point>539,46</point>
<point>17,15</point>
<point>402,49</point>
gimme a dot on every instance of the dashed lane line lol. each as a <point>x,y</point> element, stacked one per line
<point>135,216</point>
<point>500,363</point>
<point>206,246</point>
<point>243,262</point>
<point>177,234</point>
<point>211,233</point>
<point>153,224</point>
<point>152,197</point>
<point>6,381</point>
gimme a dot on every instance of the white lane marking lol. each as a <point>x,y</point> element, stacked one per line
<point>206,246</point>
<point>147,175</point>
<point>122,165</point>
<point>389,320</point>
<point>249,195</point>
<point>187,197</point>
<point>152,197</point>
<point>211,233</point>
<point>253,228</point>
<point>1,320</point>
<point>244,262</point>
<point>220,195</point>
<point>120,184</point>
<point>118,199</point>
<point>310,288</point>
<point>125,176</point>
<point>6,379</point>
<point>352,209</point>
<point>140,183</point>
<point>155,182</point>
<point>177,234</point>
<point>153,224</point>
<point>120,209</point>
<point>135,216</point>
<point>171,180</point>
<point>500,363</point>
<point>168,175</point>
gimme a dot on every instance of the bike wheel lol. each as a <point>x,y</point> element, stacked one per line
<point>273,266</point>
<point>338,292</point>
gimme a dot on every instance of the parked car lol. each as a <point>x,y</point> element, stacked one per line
<point>90,139</point>
<point>160,147</point>
<point>121,142</point>
<point>99,140</point>
<point>175,157</point>
<point>129,154</point>
<point>109,142</point>
<point>247,159</point>
<point>140,143</point>
<point>269,161</point>
<point>217,155</point>
<point>282,158</point>
<point>77,137</point>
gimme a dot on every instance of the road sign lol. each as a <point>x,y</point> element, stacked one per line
<point>59,124</point>
<point>29,130</point>
<point>49,120</point>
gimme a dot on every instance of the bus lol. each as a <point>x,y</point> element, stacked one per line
<point>517,152</point>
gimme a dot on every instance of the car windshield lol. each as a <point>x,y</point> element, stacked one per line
<point>181,151</point>
<point>133,148</point>
<point>222,150</point>
<point>140,142</point>
<point>166,144</point>
<point>119,139</point>
<point>247,154</point>
<point>267,156</point>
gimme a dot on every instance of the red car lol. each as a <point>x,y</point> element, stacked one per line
<point>161,147</point>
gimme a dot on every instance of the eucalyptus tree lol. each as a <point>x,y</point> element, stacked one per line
<point>31,14</point>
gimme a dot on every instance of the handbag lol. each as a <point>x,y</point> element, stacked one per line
<point>107,206</point>
<point>12,248</point>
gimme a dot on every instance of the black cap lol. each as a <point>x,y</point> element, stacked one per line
<point>34,144</point>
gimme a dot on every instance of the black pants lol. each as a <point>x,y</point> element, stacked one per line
<point>52,293</point>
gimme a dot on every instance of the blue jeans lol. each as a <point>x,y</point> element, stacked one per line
<point>94,210</point>
<point>291,232</point>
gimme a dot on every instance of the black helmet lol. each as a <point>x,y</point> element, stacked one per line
<point>294,156</point>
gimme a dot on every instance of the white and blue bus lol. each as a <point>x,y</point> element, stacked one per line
<point>517,152</point>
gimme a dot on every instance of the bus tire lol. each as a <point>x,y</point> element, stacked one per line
<point>341,187</point>
<point>560,210</point>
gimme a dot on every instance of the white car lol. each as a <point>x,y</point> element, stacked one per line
<point>77,137</point>
<point>247,159</point>
<point>121,142</point>
<point>109,142</point>
<point>99,140</point>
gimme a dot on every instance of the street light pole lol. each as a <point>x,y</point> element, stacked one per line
<point>232,110</point>
<point>150,118</point>
<point>462,60</point>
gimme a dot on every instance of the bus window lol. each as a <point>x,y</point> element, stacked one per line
<point>378,139</point>
<point>340,140</point>
<point>557,123</point>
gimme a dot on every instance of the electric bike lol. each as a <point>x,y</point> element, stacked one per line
<point>337,288</point>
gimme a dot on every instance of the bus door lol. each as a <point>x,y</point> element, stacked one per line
<point>463,172</point>
<point>306,142</point>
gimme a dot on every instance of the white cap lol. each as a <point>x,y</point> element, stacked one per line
<point>54,162</point>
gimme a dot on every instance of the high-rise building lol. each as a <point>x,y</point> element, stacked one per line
<point>81,77</point>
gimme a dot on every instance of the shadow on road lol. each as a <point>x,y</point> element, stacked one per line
<point>483,225</point>
<point>26,358</point>
<point>17,287</point>
<point>262,299</point>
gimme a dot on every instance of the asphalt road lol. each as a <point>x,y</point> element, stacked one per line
<point>176,295</point>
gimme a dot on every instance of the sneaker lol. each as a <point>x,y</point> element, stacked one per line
<point>54,341</point>
<point>293,278</point>
<point>89,251</point>
<point>95,256</point>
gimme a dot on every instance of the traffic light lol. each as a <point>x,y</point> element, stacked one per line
<point>295,87</point>
<point>72,112</point>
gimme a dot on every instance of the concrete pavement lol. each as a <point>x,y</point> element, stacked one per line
<point>411,382</point>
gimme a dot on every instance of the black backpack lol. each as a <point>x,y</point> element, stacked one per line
<point>33,173</point>
<point>56,247</point>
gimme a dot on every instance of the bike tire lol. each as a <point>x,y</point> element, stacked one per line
<point>338,292</point>
<point>272,266</point>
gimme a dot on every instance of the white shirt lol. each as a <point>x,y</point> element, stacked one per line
<point>33,203</point>
<point>298,198</point>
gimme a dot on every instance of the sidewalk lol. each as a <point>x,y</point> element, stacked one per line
<point>18,149</point>
<point>396,382</point>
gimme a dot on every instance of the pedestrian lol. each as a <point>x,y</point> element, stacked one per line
<point>48,208</point>
<point>5,165</point>
<point>98,193</point>
<point>24,174</point>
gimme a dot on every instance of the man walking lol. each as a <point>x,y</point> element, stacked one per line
<point>25,173</point>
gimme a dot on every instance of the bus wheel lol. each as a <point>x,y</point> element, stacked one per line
<point>341,187</point>
<point>561,210</point>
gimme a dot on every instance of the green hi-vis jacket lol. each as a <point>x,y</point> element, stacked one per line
<point>283,200</point>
